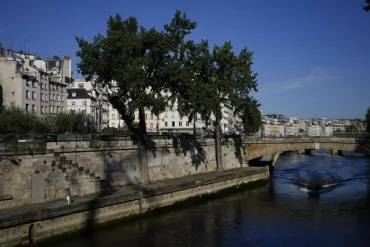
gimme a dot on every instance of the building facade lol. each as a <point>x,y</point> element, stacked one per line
<point>27,84</point>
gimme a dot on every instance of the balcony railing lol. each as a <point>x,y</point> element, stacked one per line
<point>32,74</point>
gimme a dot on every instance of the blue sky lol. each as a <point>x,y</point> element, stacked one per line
<point>312,57</point>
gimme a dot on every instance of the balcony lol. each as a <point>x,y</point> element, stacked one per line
<point>31,74</point>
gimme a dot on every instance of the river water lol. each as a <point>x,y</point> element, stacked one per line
<point>288,211</point>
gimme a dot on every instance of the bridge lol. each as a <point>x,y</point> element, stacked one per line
<point>258,147</point>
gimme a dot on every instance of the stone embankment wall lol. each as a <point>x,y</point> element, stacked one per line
<point>38,172</point>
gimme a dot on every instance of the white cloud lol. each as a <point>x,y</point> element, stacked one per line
<point>319,74</point>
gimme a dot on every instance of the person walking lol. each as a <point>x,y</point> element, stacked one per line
<point>68,194</point>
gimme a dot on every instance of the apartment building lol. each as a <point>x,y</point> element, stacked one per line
<point>27,84</point>
<point>291,129</point>
<point>314,130</point>
<point>326,130</point>
<point>273,130</point>
<point>100,94</point>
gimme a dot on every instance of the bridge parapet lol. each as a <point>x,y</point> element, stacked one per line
<point>305,140</point>
<point>258,147</point>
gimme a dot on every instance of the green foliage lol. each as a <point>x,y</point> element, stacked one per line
<point>367,120</point>
<point>350,128</point>
<point>220,77</point>
<point>139,63</point>
<point>15,120</point>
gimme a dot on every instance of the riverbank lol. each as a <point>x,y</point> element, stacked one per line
<point>38,222</point>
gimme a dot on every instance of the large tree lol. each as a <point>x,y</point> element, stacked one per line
<point>143,67</point>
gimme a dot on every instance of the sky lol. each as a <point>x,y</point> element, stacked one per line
<point>312,57</point>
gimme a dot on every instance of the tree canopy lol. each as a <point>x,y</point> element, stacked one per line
<point>143,67</point>
<point>367,6</point>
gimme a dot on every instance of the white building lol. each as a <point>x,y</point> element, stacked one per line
<point>100,94</point>
<point>80,101</point>
<point>314,130</point>
<point>327,131</point>
<point>291,130</point>
<point>273,130</point>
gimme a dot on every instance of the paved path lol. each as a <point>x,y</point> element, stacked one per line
<point>30,213</point>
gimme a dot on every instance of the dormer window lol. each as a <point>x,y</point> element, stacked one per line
<point>74,94</point>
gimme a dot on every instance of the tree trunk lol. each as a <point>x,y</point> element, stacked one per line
<point>220,165</point>
<point>144,171</point>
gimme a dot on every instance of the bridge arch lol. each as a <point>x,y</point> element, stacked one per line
<point>259,148</point>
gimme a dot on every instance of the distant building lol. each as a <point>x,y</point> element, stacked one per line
<point>314,130</point>
<point>273,130</point>
<point>291,130</point>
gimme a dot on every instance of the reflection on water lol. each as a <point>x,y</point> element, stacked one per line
<point>318,200</point>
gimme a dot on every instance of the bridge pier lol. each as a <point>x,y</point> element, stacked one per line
<point>336,152</point>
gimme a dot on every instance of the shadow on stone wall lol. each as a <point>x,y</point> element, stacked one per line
<point>238,146</point>
<point>116,168</point>
<point>186,143</point>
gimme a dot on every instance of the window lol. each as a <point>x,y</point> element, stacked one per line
<point>27,94</point>
<point>173,123</point>
<point>62,98</point>
<point>33,108</point>
<point>84,112</point>
<point>151,125</point>
<point>113,116</point>
<point>84,103</point>
<point>180,123</point>
<point>50,97</point>
<point>42,97</point>
<point>53,97</point>
<point>73,112</point>
<point>57,88</point>
<point>27,107</point>
<point>113,125</point>
<point>62,89</point>
<point>146,116</point>
<point>42,85</point>
<point>27,83</point>
<point>74,94</point>
<point>33,84</point>
<point>53,109</point>
<point>165,124</point>
<point>187,123</point>
<point>42,110</point>
<point>46,109</point>
<point>57,109</point>
<point>62,109</point>
<point>57,97</point>
<point>33,95</point>
<point>50,87</point>
<point>151,116</point>
<point>73,103</point>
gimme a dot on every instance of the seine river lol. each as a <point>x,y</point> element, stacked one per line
<point>333,211</point>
